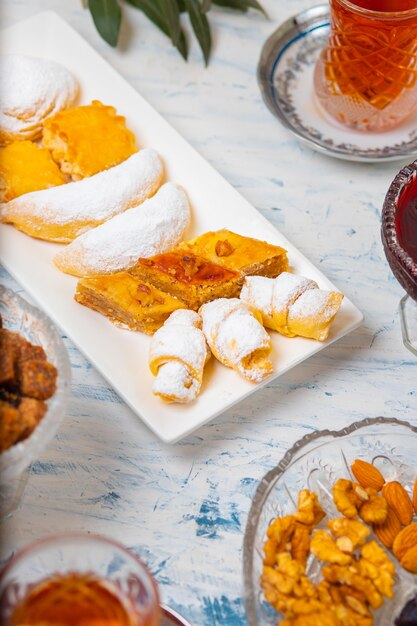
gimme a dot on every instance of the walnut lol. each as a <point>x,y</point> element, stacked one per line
<point>279,534</point>
<point>375,509</point>
<point>355,531</point>
<point>349,575</point>
<point>285,583</point>
<point>325,548</point>
<point>375,564</point>
<point>300,543</point>
<point>224,248</point>
<point>309,511</point>
<point>345,498</point>
<point>190,265</point>
<point>349,604</point>
<point>144,295</point>
<point>324,617</point>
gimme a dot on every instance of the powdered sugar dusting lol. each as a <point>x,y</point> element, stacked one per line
<point>184,316</point>
<point>32,89</point>
<point>177,355</point>
<point>174,383</point>
<point>93,200</point>
<point>315,303</point>
<point>286,288</point>
<point>234,334</point>
<point>257,291</point>
<point>148,229</point>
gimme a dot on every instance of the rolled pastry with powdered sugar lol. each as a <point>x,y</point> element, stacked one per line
<point>237,338</point>
<point>292,305</point>
<point>62,213</point>
<point>153,227</point>
<point>177,356</point>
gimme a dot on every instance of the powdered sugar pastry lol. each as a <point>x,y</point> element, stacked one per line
<point>236,337</point>
<point>177,356</point>
<point>151,228</point>
<point>31,90</point>
<point>62,213</point>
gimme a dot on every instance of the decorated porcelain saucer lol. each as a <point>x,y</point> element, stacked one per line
<point>285,76</point>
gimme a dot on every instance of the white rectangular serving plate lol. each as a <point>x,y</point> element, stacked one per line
<point>120,355</point>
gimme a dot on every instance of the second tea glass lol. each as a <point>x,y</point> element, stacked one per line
<point>83,555</point>
<point>366,76</point>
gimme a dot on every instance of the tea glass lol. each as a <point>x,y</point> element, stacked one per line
<point>82,554</point>
<point>402,192</point>
<point>366,77</point>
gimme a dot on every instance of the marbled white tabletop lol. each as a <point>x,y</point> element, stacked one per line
<point>183,508</point>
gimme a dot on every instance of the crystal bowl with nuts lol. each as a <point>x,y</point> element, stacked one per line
<point>331,537</point>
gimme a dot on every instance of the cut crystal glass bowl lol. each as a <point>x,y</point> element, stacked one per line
<point>316,462</point>
<point>35,326</point>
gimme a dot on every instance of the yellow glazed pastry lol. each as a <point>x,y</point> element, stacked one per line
<point>25,167</point>
<point>239,253</point>
<point>31,89</point>
<point>62,213</point>
<point>177,356</point>
<point>191,278</point>
<point>292,305</point>
<point>88,139</point>
<point>237,338</point>
<point>127,302</point>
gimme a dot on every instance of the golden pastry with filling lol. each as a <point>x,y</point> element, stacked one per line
<point>236,337</point>
<point>177,356</point>
<point>62,213</point>
<point>192,279</point>
<point>88,139</point>
<point>25,167</point>
<point>152,227</point>
<point>292,305</point>
<point>127,302</point>
<point>235,252</point>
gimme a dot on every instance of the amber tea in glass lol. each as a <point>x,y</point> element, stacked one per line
<point>366,76</point>
<point>77,580</point>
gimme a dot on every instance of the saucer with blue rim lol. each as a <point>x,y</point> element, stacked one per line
<point>285,77</point>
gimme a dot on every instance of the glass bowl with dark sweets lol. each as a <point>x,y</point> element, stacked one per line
<point>34,381</point>
<point>399,238</point>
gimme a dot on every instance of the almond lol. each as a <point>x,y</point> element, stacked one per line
<point>367,475</point>
<point>388,531</point>
<point>409,560</point>
<point>399,500</point>
<point>405,540</point>
<point>415,496</point>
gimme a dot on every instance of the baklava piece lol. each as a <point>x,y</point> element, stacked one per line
<point>191,278</point>
<point>127,301</point>
<point>235,252</point>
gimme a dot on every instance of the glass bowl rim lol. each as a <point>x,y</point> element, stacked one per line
<point>49,539</point>
<point>388,230</point>
<point>58,401</point>
<point>380,15</point>
<point>266,482</point>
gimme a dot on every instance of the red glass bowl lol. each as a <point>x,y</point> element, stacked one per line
<point>403,189</point>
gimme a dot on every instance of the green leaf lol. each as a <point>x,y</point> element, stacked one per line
<point>107,17</point>
<point>200,26</point>
<point>154,13</point>
<point>171,12</point>
<point>241,5</point>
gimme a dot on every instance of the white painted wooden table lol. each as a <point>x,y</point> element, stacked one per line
<point>183,508</point>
